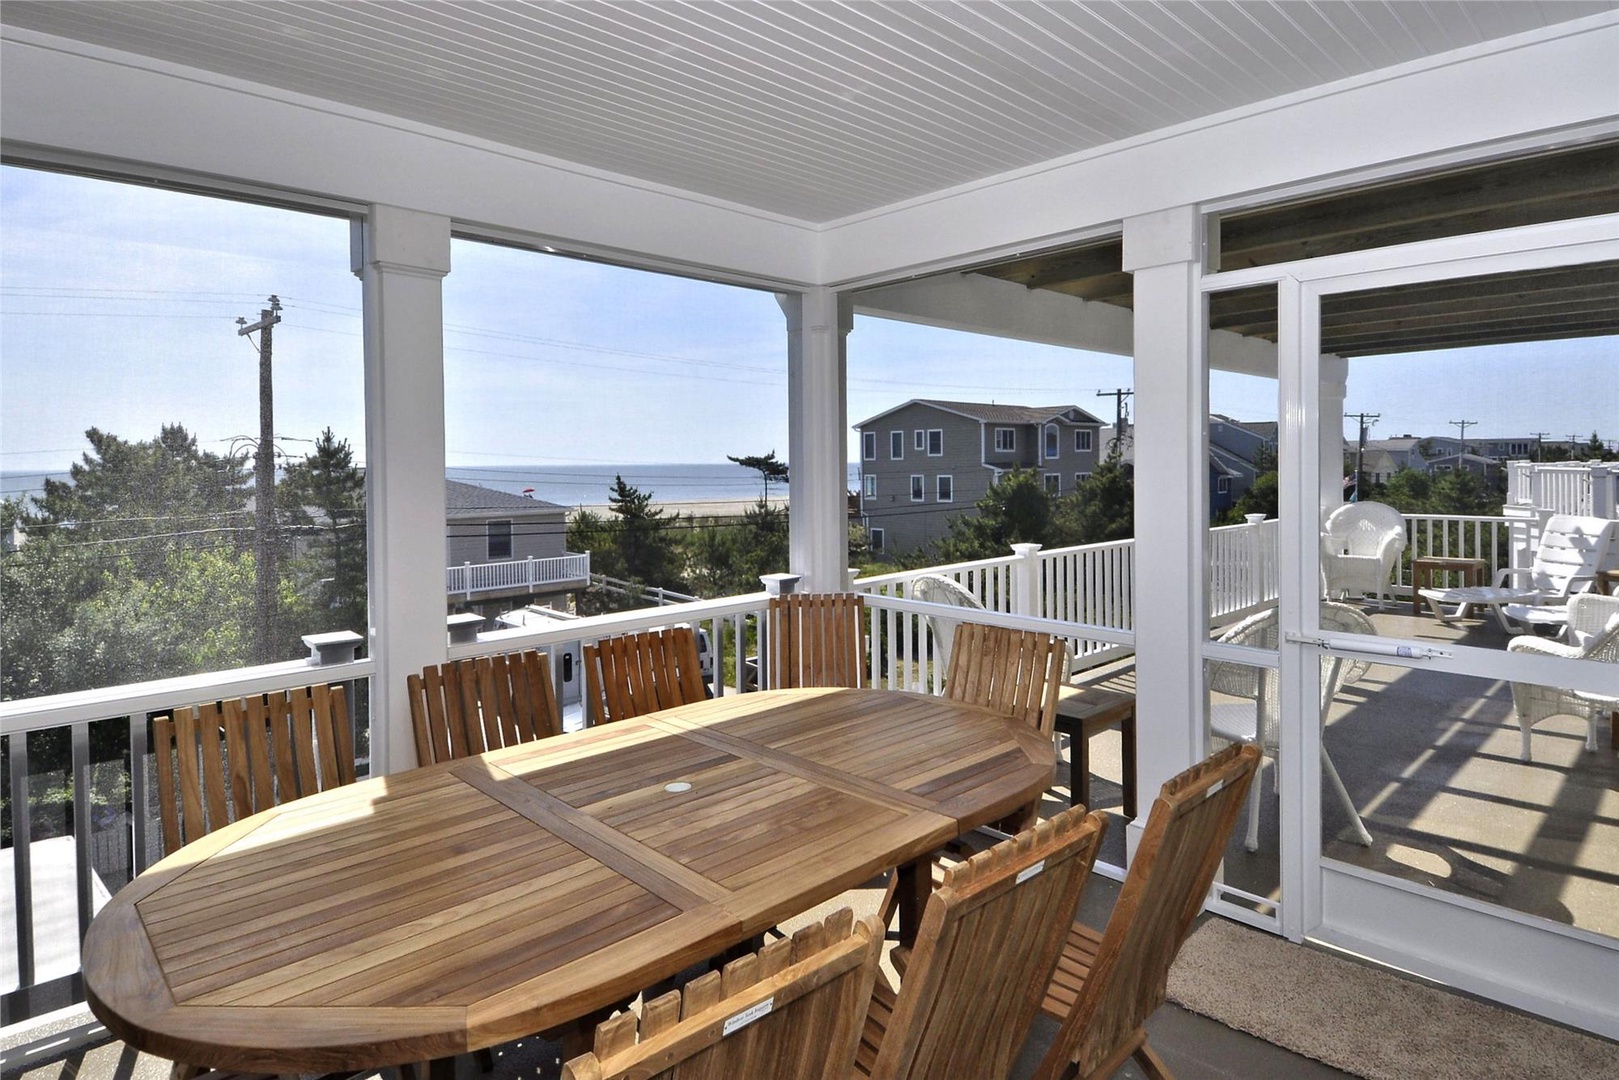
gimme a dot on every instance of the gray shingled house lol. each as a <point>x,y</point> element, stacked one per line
<point>926,461</point>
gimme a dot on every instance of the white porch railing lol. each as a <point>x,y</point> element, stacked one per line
<point>532,574</point>
<point>1586,488</point>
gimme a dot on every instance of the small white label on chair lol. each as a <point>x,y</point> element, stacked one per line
<point>747,1016</point>
<point>1029,871</point>
<point>677,787</point>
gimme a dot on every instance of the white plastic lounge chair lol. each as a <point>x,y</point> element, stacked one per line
<point>1360,547</point>
<point>1593,632</point>
<point>1571,551</point>
<point>1254,719</point>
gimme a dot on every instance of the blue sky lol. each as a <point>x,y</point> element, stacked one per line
<point>118,306</point>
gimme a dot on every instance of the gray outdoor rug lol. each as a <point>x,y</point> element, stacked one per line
<point>1368,1021</point>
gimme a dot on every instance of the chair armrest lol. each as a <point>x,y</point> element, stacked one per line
<point>1506,572</point>
<point>1542,647</point>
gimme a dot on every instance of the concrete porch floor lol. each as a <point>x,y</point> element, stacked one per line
<point>1431,762</point>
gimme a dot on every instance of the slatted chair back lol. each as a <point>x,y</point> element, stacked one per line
<point>791,1011</point>
<point>221,761</point>
<point>1125,974</point>
<point>817,640</point>
<point>483,703</point>
<point>1016,672</point>
<point>988,941</point>
<point>635,674</point>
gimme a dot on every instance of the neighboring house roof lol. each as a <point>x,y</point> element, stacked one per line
<point>1267,430</point>
<point>991,413</point>
<point>471,501</point>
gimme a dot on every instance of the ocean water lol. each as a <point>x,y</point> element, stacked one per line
<point>569,485</point>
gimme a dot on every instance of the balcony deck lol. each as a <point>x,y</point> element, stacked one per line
<point>1431,761</point>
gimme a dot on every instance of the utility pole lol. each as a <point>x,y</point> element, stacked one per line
<point>1118,397</point>
<point>264,526</point>
<point>1462,426</point>
<point>1366,421</point>
<point>1540,444</point>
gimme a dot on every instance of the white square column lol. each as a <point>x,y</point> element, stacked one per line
<point>1163,252</point>
<point>401,257</point>
<point>818,324</point>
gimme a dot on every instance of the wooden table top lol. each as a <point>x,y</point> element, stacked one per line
<point>449,908</point>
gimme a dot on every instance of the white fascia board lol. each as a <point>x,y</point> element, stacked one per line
<point>987,305</point>
<point>103,105</point>
<point>1545,86</point>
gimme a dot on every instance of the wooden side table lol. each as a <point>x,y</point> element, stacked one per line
<point>1423,570</point>
<point>1607,582</point>
<point>1084,711</point>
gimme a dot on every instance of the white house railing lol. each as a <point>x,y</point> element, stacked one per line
<point>471,578</point>
<point>1586,488</point>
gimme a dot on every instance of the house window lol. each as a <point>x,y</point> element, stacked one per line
<point>1005,440</point>
<point>871,486</point>
<point>896,445</point>
<point>500,540</point>
<point>1051,440</point>
<point>1518,449</point>
<point>918,492</point>
<point>1080,478</point>
<point>1222,485</point>
<point>876,540</point>
<point>1082,441</point>
<point>1053,483</point>
<point>935,442</point>
<point>921,440</point>
<point>945,488</point>
<point>869,445</point>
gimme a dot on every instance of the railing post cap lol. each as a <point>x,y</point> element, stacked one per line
<point>1026,549</point>
<point>781,584</point>
<point>335,647</point>
<point>1253,519</point>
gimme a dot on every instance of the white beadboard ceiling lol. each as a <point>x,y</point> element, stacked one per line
<point>813,110</point>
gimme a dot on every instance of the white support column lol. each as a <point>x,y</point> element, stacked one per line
<point>1162,251</point>
<point>818,324</point>
<point>401,257</point>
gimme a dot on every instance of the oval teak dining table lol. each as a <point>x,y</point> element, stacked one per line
<point>416,916</point>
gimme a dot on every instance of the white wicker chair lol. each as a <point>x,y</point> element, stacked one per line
<point>1360,547</point>
<point>1254,719</point>
<point>1593,634</point>
<point>936,589</point>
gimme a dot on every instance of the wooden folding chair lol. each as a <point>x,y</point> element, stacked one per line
<point>468,706</point>
<point>1016,672</point>
<point>221,761</point>
<point>989,939</point>
<point>635,674</point>
<point>817,640</point>
<point>792,1011</point>
<point>1106,985</point>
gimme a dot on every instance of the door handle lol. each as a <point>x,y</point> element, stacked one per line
<point>1373,648</point>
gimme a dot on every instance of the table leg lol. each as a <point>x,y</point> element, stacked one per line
<point>911,897</point>
<point>1079,767</point>
<point>441,1069</point>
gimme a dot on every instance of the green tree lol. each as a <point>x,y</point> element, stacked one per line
<point>141,531</point>
<point>1102,508</point>
<point>1015,510</point>
<point>641,536</point>
<point>769,469</point>
<point>323,497</point>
